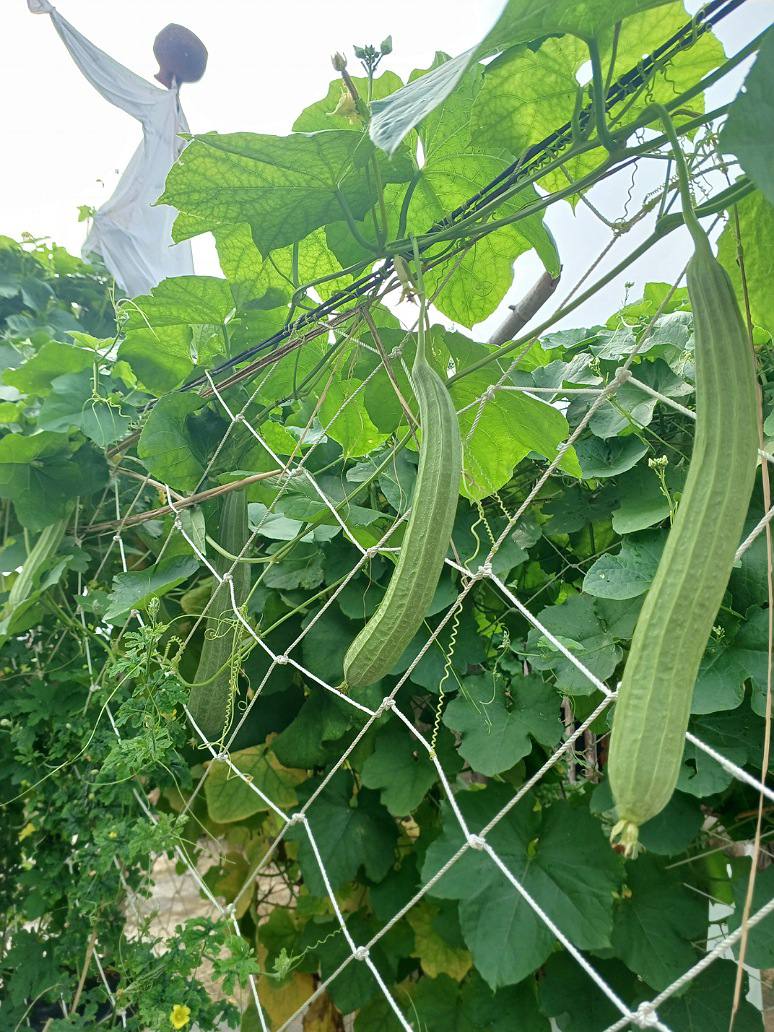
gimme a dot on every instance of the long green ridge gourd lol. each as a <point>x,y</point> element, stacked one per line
<point>44,549</point>
<point>210,699</point>
<point>674,626</point>
<point>382,641</point>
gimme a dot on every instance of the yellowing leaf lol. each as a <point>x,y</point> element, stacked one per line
<point>436,956</point>
<point>230,798</point>
<point>322,1016</point>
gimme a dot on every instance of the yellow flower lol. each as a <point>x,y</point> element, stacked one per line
<point>179,1015</point>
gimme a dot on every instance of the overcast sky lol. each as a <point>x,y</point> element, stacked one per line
<point>64,145</point>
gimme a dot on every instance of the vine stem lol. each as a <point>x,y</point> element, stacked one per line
<point>689,213</point>
<point>598,97</point>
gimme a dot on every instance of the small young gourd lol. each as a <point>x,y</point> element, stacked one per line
<point>674,626</point>
<point>382,641</point>
<point>210,699</point>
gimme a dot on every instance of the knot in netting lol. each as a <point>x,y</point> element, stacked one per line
<point>395,353</point>
<point>645,1016</point>
<point>240,417</point>
<point>226,578</point>
<point>489,393</point>
<point>621,376</point>
<point>484,570</point>
<point>117,538</point>
<point>230,910</point>
<point>371,553</point>
<point>361,953</point>
<point>476,841</point>
<point>386,703</point>
<point>223,757</point>
<point>296,818</point>
<point>178,523</point>
<point>282,660</point>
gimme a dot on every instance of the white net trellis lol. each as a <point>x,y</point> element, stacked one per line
<point>288,470</point>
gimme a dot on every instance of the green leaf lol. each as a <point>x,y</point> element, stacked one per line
<point>631,406</point>
<point>41,474</point>
<point>737,735</point>
<point>751,111</point>
<point>527,94</point>
<point>35,376</point>
<point>508,427</point>
<point>658,923</point>
<point>229,799</point>
<point>484,273</point>
<point>351,833</point>
<point>706,1004</point>
<point>756,233</point>
<point>72,404</point>
<point>519,22</point>
<point>170,449</point>
<point>134,590</point>
<point>497,729</point>
<point>322,719</point>
<point>568,995</point>
<point>400,767</point>
<point>578,625</point>
<point>641,500</point>
<point>345,419</point>
<point>610,458</point>
<point>728,662</point>
<point>760,939</point>
<point>178,325</point>
<point>284,187</point>
<point>561,857</point>
<point>629,573</point>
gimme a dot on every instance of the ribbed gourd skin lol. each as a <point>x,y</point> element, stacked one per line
<point>209,700</point>
<point>382,641</point>
<point>44,548</point>
<point>674,626</point>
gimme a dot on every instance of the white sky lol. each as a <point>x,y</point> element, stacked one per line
<point>64,145</point>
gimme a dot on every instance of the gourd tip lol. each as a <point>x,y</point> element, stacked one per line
<point>625,838</point>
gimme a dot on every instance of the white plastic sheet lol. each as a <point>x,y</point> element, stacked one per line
<point>133,237</point>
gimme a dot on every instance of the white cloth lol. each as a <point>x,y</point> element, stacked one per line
<point>133,237</point>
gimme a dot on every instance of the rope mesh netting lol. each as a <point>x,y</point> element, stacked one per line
<point>293,468</point>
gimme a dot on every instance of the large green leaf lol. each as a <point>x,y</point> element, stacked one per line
<point>529,93</point>
<point>508,427</point>
<point>520,21</point>
<point>345,419</point>
<point>168,445</point>
<point>401,768</point>
<point>72,403</point>
<point>42,473</point>
<point>284,187</point>
<point>135,589</point>
<point>53,359</point>
<point>659,923</point>
<point>746,133</point>
<point>580,627</point>
<point>350,833</point>
<point>178,325</point>
<point>756,235</point>
<point>497,729</point>
<point>629,573</point>
<point>560,856</point>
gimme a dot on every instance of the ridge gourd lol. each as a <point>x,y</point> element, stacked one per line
<point>210,696</point>
<point>382,641</point>
<point>654,701</point>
